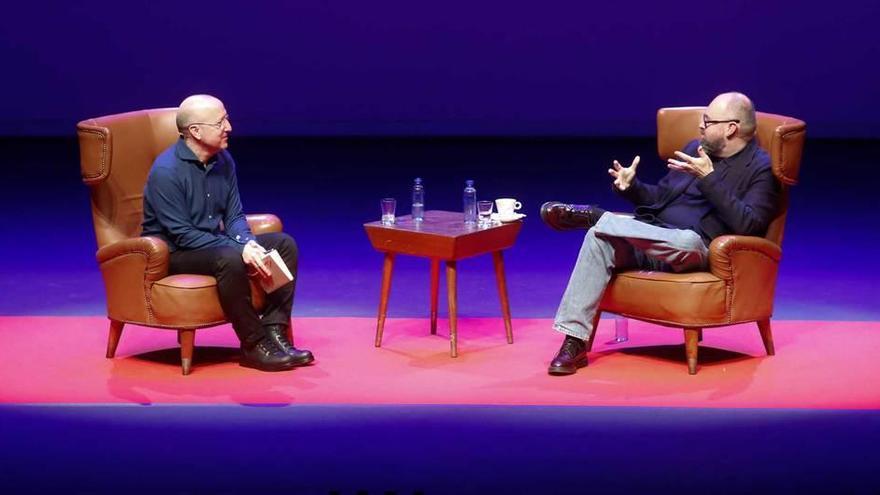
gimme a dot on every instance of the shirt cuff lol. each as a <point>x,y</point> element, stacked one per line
<point>243,238</point>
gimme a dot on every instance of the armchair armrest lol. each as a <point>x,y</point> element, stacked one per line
<point>144,257</point>
<point>263,223</point>
<point>130,267</point>
<point>734,255</point>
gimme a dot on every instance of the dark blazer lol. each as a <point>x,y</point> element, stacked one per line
<point>743,202</point>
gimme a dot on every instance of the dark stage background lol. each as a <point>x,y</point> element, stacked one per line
<point>337,104</point>
<point>457,67</point>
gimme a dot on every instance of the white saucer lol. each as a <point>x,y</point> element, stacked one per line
<point>512,218</point>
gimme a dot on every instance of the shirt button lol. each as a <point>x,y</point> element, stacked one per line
<point>209,195</point>
<point>210,216</point>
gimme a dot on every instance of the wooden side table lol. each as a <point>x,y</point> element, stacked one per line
<point>442,236</point>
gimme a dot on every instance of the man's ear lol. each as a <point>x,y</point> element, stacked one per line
<point>734,132</point>
<point>195,132</point>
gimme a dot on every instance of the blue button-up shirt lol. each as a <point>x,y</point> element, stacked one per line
<point>192,205</point>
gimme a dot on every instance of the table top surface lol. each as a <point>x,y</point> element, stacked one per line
<point>441,223</point>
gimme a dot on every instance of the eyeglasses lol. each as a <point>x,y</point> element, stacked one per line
<point>707,122</point>
<point>215,125</point>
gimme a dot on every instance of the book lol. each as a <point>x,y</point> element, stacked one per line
<point>279,273</point>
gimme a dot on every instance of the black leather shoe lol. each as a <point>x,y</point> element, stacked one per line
<point>561,216</point>
<point>266,356</point>
<point>571,356</point>
<point>278,335</point>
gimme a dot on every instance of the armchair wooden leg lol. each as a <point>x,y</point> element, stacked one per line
<point>592,336</point>
<point>113,338</point>
<point>187,343</point>
<point>691,338</point>
<point>767,336</point>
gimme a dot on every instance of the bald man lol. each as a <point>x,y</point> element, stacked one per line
<point>719,184</point>
<point>191,201</point>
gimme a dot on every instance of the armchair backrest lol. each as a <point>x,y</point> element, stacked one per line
<point>116,153</point>
<point>782,137</point>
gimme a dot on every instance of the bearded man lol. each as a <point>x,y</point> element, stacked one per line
<point>719,184</point>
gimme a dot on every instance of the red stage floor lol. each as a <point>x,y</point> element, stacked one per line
<point>819,364</point>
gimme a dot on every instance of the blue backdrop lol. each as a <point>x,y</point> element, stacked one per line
<point>439,68</point>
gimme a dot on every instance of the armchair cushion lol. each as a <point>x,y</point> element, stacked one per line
<point>190,301</point>
<point>738,287</point>
<point>686,299</point>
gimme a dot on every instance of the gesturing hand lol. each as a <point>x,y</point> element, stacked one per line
<point>699,166</point>
<point>252,255</point>
<point>623,176</point>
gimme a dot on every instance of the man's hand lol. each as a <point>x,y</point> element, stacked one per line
<point>252,255</point>
<point>623,176</point>
<point>699,166</point>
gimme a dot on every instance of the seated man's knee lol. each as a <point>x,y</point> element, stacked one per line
<point>594,237</point>
<point>287,247</point>
<point>287,242</point>
<point>695,243</point>
<point>284,244</point>
<point>693,255</point>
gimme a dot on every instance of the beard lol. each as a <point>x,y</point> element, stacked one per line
<point>712,146</point>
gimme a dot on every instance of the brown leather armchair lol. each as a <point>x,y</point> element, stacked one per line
<point>116,153</point>
<point>741,280</point>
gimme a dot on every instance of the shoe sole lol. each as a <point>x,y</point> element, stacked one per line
<point>303,363</point>
<point>287,367</point>
<point>561,371</point>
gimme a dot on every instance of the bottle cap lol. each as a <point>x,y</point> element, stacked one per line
<point>469,183</point>
<point>418,180</point>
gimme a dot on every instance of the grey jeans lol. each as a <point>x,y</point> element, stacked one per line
<point>615,243</point>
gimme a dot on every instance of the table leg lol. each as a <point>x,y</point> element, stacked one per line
<point>387,268</point>
<point>450,295</point>
<point>435,286</point>
<point>502,294</point>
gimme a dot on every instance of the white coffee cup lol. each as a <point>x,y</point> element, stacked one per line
<point>507,207</point>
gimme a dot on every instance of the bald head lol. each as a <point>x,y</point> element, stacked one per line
<point>738,106</point>
<point>199,108</point>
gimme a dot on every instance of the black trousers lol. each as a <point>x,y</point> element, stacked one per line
<point>233,287</point>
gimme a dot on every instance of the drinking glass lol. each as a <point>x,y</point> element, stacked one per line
<point>388,207</point>
<point>484,210</point>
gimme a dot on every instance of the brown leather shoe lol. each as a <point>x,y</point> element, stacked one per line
<point>561,216</point>
<point>571,356</point>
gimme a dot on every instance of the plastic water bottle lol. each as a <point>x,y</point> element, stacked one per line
<point>470,202</point>
<point>418,201</point>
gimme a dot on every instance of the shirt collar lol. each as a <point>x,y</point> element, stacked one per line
<point>742,157</point>
<point>182,151</point>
